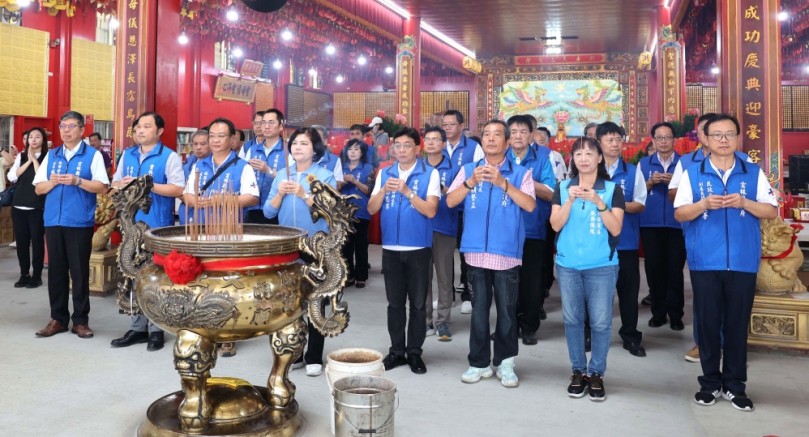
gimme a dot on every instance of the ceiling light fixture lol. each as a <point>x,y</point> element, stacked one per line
<point>449,41</point>
<point>277,64</point>
<point>555,50</point>
<point>389,70</point>
<point>339,79</point>
<point>330,49</point>
<point>395,8</point>
<point>23,3</point>
<point>714,70</point>
<point>237,52</point>
<point>312,71</point>
<point>183,39</point>
<point>113,20</point>
<point>232,15</point>
<point>783,16</point>
<point>361,60</point>
<point>286,35</point>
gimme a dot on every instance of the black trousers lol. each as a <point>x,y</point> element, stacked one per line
<point>724,301</point>
<point>406,275</point>
<point>256,216</point>
<point>357,245</point>
<point>665,259</point>
<point>531,292</point>
<point>29,230</point>
<point>69,259</point>
<point>465,296</point>
<point>628,286</point>
<point>550,247</point>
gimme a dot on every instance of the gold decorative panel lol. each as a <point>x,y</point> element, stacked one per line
<point>355,108</point>
<point>92,79</point>
<point>24,77</point>
<point>265,96</point>
<point>435,103</point>
<point>800,107</point>
<point>772,325</point>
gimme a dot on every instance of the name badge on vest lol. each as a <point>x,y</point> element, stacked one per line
<point>78,168</point>
<point>743,193</point>
<point>623,185</point>
<point>151,170</point>
<point>650,177</point>
<point>55,168</point>
<point>595,223</point>
<point>130,171</point>
<point>389,199</point>
<point>702,196</point>
<point>460,158</point>
<point>275,163</point>
<point>505,196</point>
<point>474,195</point>
<point>416,189</point>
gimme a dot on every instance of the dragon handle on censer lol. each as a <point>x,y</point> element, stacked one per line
<point>209,291</point>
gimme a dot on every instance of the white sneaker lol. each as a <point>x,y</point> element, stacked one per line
<point>435,304</point>
<point>314,370</point>
<point>506,375</point>
<point>13,244</point>
<point>430,330</point>
<point>474,374</point>
<point>466,307</point>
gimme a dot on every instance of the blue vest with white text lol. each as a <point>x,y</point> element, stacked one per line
<point>69,205</point>
<point>360,173</point>
<point>542,172</point>
<point>154,164</point>
<point>402,224</point>
<point>328,161</point>
<point>659,212</point>
<point>624,177</point>
<point>493,223</point>
<point>446,218</point>
<point>725,238</point>
<point>584,242</point>
<point>228,180</point>
<point>697,156</point>
<point>275,160</point>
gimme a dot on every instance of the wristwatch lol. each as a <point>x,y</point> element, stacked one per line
<point>411,195</point>
<point>78,184</point>
<point>306,196</point>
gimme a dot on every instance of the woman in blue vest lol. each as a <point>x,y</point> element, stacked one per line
<point>723,199</point>
<point>587,214</point>
<point>359,177</point>
<point>407,194</point>
<point>290,201</point>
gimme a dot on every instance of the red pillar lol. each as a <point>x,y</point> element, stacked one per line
<point>166,67</point>
<point>408,72</point>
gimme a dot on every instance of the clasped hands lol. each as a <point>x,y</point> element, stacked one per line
<point>487,173</point>
<point>260,165</point>
<point>396,184</point>
<point>294,188</point>
<point>578,192</point>
<point>658,177</point>
<point>714,201</point>
<point>64,179</point>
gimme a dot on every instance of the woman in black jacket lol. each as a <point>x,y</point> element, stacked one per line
<point>28,209</point>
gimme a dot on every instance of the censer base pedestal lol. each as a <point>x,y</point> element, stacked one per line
<point>162,418</point>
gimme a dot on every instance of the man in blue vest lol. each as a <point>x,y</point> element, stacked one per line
<point>625,175</point>
<point>723,199</point>
<point>266,158</point>
<point>461,151</point>
<point>258,131</point>
<point>495,192</point>
<point>445,231</point>
<point>329,161</point>
<point>530,307</point>
<point>409,191</point>
<point>70,177</point>
<point>150,156</point>
<point>662,236</point>
<point>199,149</point>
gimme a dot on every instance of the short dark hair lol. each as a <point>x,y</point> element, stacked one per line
<point>314,136</point>
<point>501,123</point>
<point>607,128</point>
<point>705,117</point>
<point>722,117</point>
<point>588,143</point>
<point>521,119</point>
<point>26,132</point>
<point>158,119</point>
<point>436,129</point>
<point>456,113</point>
<point>258,114</point>
<point>589,126</point>
<point>95,134</point>
<point>475,138</point>
<point>278,114</point>
<point>659,125</point>
<point>649,147</point>
<point>534,122</point>
<point>241,134</point>
<point>408,132</point>
<point>360,127</point>
<point>363,150</point>
<point>74,115</point>
<point>544,129</point>
<point>231,126</point>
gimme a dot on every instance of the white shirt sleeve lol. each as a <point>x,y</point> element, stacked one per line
<point>676,176</point>
<point>559,168</point>
<point>338,171</point>
<point>686,196</point>
<point>249,184</point>
<point>118,176</point>
<point>98,170</point>
<point>434,187</point>
<point>243,155</point>
<point>378,183</point>
<point>174,171</point>
<point>640,193</point>
<point>189,184</point>
<point>764,192</point>
<point>478,153</point>
<point>12,173</point>
<point>750,160</point>
<point>42,173</point>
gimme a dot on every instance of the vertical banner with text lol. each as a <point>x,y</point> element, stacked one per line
<point>405,61</point>
<point>671,63</point>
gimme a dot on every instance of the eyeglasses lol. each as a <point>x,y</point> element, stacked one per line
<point>433,140</point>
<point>68,126</point>
<point>403,146</point>
<point>664,138</point>
<point>269,123</point>
<point>258,122</point>
<point>719,137</point>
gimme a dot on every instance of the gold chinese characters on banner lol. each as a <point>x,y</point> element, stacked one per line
<point>405,57</point>
<point>131,68</point>
<point>672,81</point>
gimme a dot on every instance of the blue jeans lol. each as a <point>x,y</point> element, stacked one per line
<point>503,285</point>
<point>595,289</point>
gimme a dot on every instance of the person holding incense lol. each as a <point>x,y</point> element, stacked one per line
<point>359,178</point>
<point>290,200</point>
<point>150,156</point>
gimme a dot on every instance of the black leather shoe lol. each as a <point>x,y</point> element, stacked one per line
<point>130,338</point>
<point>155,341</point>
<point>416,364</point>
<point>542,314</point>
<point>647,300</point>
<point>35,282</point>
<point>588,343</point>
<point>677,325</point>
<point>529,338</point>
<point>635,349</point>
<point>392,361</point>
<point>24,280</point>
<point>654,322</point>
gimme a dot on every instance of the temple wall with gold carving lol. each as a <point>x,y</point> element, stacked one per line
<point>92,80</point>
<point>24,88</point>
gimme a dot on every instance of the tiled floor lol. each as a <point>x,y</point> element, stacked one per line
<point>66,386</point>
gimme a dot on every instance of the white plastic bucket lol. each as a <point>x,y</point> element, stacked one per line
<point>348,362</point>
<point>364,405</point>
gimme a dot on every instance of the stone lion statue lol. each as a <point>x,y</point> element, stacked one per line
<point>780,259</point>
